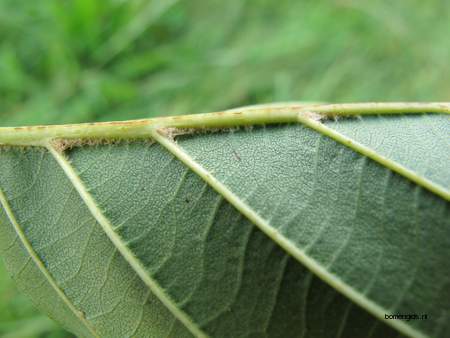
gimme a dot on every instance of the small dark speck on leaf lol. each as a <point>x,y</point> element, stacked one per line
<point>236,155</point>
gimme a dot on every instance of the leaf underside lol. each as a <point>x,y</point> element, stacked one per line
<point>298,235</point>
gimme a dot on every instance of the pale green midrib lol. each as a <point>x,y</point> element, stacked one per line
<point>119,244</point>
<point>41,135</point>
<point>281,240</point>
<point>289,113</point>
<point>41,267</point>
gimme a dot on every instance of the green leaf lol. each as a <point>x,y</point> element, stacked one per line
<point>273,221</point>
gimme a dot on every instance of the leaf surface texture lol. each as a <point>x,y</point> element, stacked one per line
<point>263,231</point>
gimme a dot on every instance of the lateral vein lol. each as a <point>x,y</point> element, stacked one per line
<point>279,238</point>
<point>40,265</point>
<point>119,243</point>
<point>374,155</point>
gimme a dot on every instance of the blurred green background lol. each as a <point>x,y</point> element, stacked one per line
<point>84,60</point>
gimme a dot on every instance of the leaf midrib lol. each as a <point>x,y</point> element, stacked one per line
<point>289,113</point>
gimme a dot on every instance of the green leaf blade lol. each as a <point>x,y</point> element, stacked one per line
<point>418,142</point>
<point>76,253</point>
<point>29,279</point>
<point>295,229</point>
<point>209,259</point>
<point>385,219</point>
